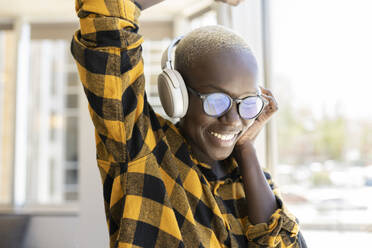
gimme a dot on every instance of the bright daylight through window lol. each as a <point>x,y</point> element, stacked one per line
<point>321,66</point>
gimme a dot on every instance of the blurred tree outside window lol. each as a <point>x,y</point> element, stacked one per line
<point>321,73</point>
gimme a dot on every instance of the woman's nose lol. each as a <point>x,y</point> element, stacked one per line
<point>232,116</point>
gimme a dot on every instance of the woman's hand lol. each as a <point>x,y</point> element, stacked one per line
<point>252,132</point>
<point>261,202</point>
<point>231,2</point>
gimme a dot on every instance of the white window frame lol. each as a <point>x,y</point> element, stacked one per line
<point>22,29</point>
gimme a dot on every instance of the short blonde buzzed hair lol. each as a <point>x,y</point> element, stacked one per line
<point>205,41</point>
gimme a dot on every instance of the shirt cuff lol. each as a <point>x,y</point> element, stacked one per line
<point>125,9</point>
<point>281,225</point>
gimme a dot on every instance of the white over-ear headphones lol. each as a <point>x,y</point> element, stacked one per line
<point>171,87</point>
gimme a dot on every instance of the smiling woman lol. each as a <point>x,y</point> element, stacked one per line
<point>197,183</point>
<point>198,126</point>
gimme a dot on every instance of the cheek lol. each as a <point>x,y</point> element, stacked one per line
<point>197,120</point>
<point>193,109</point>
<point>193,117</point>
<point>195,112</point>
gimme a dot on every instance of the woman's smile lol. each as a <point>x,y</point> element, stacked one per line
<point>223,139</point>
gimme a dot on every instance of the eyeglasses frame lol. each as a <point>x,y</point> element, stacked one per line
<point>237,100</point>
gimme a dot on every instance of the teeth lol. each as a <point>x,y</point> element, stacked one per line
<point>223,137</point>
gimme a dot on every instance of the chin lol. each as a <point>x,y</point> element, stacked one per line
<point>221,155</point>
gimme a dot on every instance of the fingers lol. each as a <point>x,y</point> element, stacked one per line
<point>266,91</point>
<point>251,132</point>
<point>272,105</point>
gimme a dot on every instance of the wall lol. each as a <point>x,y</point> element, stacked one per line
<point>92,226</point>
<point>38,231</point>
<point>52,231</point>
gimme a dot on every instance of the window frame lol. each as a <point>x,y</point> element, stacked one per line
<point>22,28</point>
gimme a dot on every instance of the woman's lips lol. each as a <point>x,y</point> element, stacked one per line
<point>224,139</point>
<point>224,136</point>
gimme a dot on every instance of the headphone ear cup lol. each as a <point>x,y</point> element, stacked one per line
<point>173,93</point>
<point>184,93</point>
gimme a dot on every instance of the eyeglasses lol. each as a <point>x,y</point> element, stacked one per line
<point>218,104</point>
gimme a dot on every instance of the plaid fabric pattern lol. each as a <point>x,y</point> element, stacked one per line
<point>155,193</point>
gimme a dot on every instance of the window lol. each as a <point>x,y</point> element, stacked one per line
<point>321,72</point>
<point>53,124</point>
<point>38,116</point>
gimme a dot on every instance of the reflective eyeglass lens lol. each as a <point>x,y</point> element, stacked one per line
<point>216,104</point>
<point>250,107</point>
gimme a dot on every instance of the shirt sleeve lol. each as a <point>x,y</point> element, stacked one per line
<point>282,229</point>
<point>108,53</point>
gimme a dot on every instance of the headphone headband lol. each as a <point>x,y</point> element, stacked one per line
<point>166,60</point>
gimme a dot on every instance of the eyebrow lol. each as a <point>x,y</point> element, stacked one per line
<point>228,93</point>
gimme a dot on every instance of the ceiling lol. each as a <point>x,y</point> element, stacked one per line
<point>52,10</point>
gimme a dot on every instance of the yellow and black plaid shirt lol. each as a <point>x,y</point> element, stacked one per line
<point>156,194</point>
